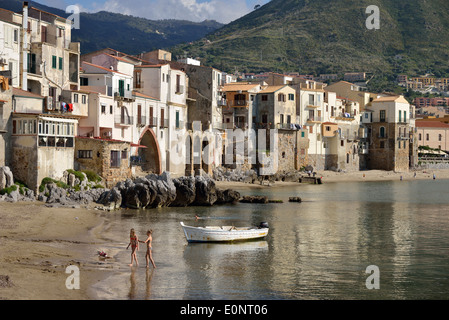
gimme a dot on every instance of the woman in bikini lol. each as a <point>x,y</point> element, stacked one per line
<point>149,255</point>
<point>134,243</point>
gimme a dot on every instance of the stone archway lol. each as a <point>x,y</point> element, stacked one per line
<point>151,155</point>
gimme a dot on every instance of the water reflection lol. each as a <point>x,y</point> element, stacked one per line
<point>318,249</point>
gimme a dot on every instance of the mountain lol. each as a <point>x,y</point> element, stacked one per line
<point>125,33</point>
<point>330,36</point>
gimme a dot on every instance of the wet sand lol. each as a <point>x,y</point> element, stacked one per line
<point>38,243</point>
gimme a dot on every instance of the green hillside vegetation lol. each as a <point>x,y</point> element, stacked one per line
<point>125,33</point>
<point>330,36</point>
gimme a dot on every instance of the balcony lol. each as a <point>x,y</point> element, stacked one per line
<point>124,120</point>
<point>180,125</point>
<point>179,89</point>
<point>315,120</point>
<point>153,122</point>
<point>124,95</point>
<point>164,123</point>
<point>345,117</point>
<point>222,103</point>
<point>311,106</point>
<point>141,121</point>
<point>239,103</point>
<point>286,126</point>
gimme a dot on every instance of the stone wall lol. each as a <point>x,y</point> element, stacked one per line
<point>24,160</point>
<point>100,162</point>
<point>390,157</point>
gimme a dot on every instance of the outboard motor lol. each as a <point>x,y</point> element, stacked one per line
<point>263,225</point>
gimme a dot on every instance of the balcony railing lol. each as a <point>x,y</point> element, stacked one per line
<point>164,123</point>
<point>286,126</point>
<point>142,120</point>
<point>180,125</point>
<point>179,89</point>
<point>124,120</point>
<point>153,122</point>
<point>315,119</point>
<point>239,103</point>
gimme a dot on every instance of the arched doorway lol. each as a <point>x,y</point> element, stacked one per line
<point>151,155</point>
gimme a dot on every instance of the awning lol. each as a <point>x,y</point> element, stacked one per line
<point>138,146</point>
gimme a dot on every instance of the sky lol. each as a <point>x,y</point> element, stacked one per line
<point>223,11</point>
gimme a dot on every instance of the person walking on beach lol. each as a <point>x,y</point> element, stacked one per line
<point>149,255</point>
<point>134,243</point>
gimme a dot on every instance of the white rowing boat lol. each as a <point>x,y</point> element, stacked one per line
<point>224,234</point>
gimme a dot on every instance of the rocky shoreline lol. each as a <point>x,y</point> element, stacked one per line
<point>151,191</point>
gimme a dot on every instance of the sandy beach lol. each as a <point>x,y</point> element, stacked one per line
<point>359,176</point>
<point>38,243</point>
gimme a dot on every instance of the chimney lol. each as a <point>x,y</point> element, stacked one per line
<point>25,46</point>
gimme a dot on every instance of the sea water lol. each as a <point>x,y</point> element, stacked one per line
<point>318,249</point>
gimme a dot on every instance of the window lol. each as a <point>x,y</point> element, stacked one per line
<point>281,97</point>
<point>291,97</point>
<point>420,137</point>
<point>311,99</point>
<point>405,116</point>
<point>382,132</point>
<point>124,155</point>
<point>83,99</point>
<point>75,98</point>
<point>178,83</point>
<point>399,144</point>
<point>44,34</point>
<point>60,63</point>
<point>115,159</point>
<point>178,125</point>
<point>400,116</point>
<point>440,137</point>
<point>427,137</point>
<point>264,97</point>
<point>16,35</point>
<point>328,128</point>
<point>84,154</point>
<point>53,62</point>
<point>110,109</point>
<point>303,134</point>
<point>383,115</point>
<point>103,109</point>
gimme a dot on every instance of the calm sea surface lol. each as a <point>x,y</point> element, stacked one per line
<point>318,249</point>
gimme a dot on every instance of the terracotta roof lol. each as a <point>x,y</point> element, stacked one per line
<point>23,93</point>
<point>400,99</point>
<point>271,89</point>
<point>431,124</point>
<point>103,68</point>
<point>118,58</point>
<point>239,86</point>
<point>151,65</point>
<point>138,94</point>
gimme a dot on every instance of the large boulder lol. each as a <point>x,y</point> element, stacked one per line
<point>185,191</point>
<point>254,199</point>
<point>139,196</point>
<point>227,196</point>
<point>111,199</point>
<point>6,177</point>
<point>164,188</point>
<point>206,192</point>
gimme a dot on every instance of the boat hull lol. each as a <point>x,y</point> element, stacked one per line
<point>222,234</point>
